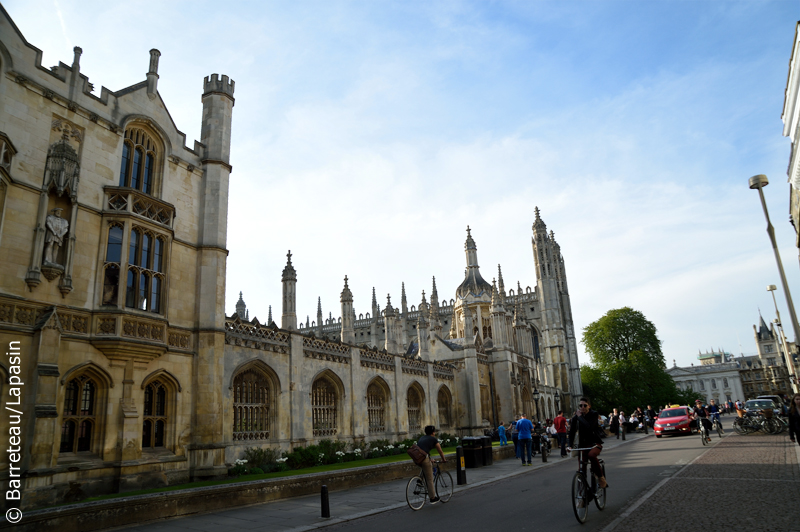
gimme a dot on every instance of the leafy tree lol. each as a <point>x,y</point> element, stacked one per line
<point>628,368</point>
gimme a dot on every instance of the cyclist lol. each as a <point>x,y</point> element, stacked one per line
<point>427,443</point>
<point>586,423</point>
<point>713,411</point>
<point>701,415</point>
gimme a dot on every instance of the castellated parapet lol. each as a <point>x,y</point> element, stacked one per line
<point>213,84</point>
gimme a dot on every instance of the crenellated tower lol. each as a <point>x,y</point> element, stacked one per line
<point>348,333</point>
<point>289,280</point>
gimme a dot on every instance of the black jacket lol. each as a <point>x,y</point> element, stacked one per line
<point>587,427</point>
<point>794,425</point>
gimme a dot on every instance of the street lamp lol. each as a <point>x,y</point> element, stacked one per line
<point>759,182</point>
<point>536,395</point>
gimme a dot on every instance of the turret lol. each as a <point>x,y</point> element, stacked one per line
<point>500,339</point>
<point>390,343</point>
<point>403,316</point>
<point>289,279</point>
<point>500,285</point>
<point>348,332</point>
<point>269,318</point>
<point>241,309</point>
<point>422,330</point>
<point>373,326</point>
<point>436,325</point>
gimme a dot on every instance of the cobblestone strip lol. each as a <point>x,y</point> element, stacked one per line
<point>750,481</point>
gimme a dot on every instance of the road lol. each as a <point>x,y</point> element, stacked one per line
<point>541,500</point>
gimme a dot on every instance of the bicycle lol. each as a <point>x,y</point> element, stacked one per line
<point>717,424</point>
<point>582,492</point>
<point>417,487</point>
<point>704,435</point>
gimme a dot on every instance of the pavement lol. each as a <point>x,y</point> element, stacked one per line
<point>301,514</point>
<point>745,482</point>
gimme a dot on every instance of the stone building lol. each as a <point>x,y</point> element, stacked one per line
<point>112,288</point>
<point>767,372</point>
<point>717,377</point>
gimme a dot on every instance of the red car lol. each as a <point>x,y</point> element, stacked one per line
<point>676,420</point>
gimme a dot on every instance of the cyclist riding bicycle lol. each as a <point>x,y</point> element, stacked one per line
<point>427,443</point>
<point>713,410</point>
<point>586,423</point>
<point>701,415</point>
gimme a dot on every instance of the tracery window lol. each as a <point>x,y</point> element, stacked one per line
<point>443,402</point>
<point>145,270</point>
<point>138,161</point>
<point>155,415</point>
<point>376,408</point>
<point>414,403</point>
<point>112,265</point>
<point>251,406</point>
<point>323,408</point>
<point>79,415</point>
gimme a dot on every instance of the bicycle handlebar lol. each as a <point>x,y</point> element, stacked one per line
<point>582,449</point>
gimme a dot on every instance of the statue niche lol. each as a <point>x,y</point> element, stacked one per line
<point>55,235</point>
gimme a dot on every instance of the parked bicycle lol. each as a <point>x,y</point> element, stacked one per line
<point>417,487</point>
<point>583,491</point>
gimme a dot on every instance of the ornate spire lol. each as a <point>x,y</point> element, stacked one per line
<point>538,225</point>
<point>389,304</point>
<point>241,308</point>
<point>347,295</point>
<point>289,273</point>
<point>495,295</point>
<point>434,292</point>
<point>319,306</point>
<point>473,282</point>
<point>403,295</point>
<point>269,318</point>
<point>500,285</point>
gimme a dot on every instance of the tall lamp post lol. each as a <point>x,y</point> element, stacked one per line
<point>759,182</point>
<point>790,362</point>
<point>535,395</point>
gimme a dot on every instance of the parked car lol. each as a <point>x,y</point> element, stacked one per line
<point>675,420</point>
<point>754,405</point>
<point>784,410</point>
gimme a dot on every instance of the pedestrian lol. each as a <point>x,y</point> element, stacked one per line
<point>501,431</point>
<point>623,421</point>
<point>515,436</point>
<point>651,416</point>
<point>560,424</point>
<point>794,419</point>
<point>614,419</point>
<point>524,429</point>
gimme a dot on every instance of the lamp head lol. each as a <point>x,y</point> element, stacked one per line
<point>771,287</point>
<point>758,181</point>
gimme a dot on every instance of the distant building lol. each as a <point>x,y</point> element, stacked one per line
<point>715,378</point>
<point>766,373</point>
<point>791,129</point>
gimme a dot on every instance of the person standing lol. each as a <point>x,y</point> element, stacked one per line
<point>560,424</point>
<point>501,432</point>
<point>525,428</point>
<point>614,423</point>
<point>651,415</point>
<point>794,419</point>
<point>515,436</point>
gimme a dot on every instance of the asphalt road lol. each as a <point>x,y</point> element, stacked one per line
<point>541,500</point>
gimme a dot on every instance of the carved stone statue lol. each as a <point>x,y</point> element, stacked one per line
<point>56,230</point>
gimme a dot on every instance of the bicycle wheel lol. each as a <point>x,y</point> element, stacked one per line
<point>580,502</point>
<point>720,430</point>
<point>416,493</point>
<point>444,486</point>
<point>600,498</point>
<point>703,436</point>
<point>738,426</point>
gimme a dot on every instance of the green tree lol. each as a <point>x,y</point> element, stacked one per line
<point>628,368</point>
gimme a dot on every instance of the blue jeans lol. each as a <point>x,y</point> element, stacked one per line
<point>562,442</point>
<point>524,445</point>
<point>503,440</point>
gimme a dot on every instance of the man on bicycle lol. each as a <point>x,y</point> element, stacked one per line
<point>701,415</point>
<point>586,424</point>
<point>427,443</point>
<point>713,411</point>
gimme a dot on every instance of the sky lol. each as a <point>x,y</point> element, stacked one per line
<point>368,135</point>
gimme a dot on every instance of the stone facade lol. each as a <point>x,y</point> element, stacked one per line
<point>767,372</point>
<point>112,287</point>
<point>717,377</point>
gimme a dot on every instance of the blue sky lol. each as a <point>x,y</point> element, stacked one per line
<point>368,135</point>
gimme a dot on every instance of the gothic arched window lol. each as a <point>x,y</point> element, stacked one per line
<point>79,415</point>
<point>139,153</point>
<point>414,403</point>
<point>443,402</point>
<point>155,415</point>
<point>251,406</point>
<point>324,408</point>
<point>376,408</point>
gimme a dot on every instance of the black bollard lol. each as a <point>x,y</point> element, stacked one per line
<point>326,507</point>
<point>461,470</point>
<point>543,448</point>
<point>645,427</point>
<point>623,429</point>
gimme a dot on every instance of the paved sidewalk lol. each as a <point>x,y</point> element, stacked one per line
<point>303,513</point>
<point>744,482</point>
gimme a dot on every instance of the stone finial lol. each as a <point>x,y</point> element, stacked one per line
<point>152,74</point>
<point>76,58</point>
<point>289,273</point>
<point>269,318</point>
